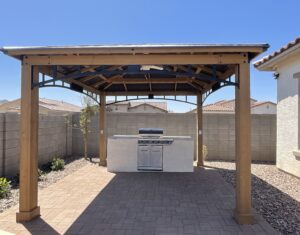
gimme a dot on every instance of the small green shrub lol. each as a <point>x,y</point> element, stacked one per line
<point>204,151</point>
<point>40,174</point>
<point>57,164</point>
<point>4,187</point>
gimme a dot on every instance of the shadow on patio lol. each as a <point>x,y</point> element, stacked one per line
<point>94,201</point>
<point>39,226</point>
<point>163,203</point>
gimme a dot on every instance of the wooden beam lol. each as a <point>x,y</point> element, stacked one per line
<point>142,93</point>
<point>243,210</point>
<point>89,68</point>
<point>108,80</point>
<point>228,73</point>
<point>84,86</point>
<point>103,77</point>
<point>87,78</point>
<point>208,70</point>
<point>107,86</point>
<point>139,49</point>
<point>28,199</point>
<point>135,59</point>
<point>199,88</point>
<point>200,160</point>
<point>198,70</point>
<point>102,131</point>
<point>146,81</point>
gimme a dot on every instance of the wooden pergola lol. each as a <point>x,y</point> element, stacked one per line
<point>135,70</point>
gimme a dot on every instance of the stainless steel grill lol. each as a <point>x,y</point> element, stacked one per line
<point>150,148</point>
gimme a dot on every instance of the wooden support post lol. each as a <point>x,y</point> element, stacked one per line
<point>102,132</point>
<point>200,161</point>
<point>28,208</point>
<point>243,213</point>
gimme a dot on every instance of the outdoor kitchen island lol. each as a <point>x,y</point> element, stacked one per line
<point>150,151</point>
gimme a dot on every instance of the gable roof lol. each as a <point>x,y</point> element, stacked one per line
<point>59,105</point>
<point>50,104</point>
<point>285,49</point>
<point>256,104</point>
<point>160,107</point>
<point>133,104</point>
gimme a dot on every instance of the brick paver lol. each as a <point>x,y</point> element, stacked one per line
<point>94,201</point>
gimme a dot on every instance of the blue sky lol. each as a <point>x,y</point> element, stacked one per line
<point>64,22</point>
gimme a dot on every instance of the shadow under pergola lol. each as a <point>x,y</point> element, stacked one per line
<point>39,226</point>
<point>160,202</point>
<point>151,203</point>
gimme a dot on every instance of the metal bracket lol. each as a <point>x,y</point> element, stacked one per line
<point>224,83</point>
<point>172,98</point>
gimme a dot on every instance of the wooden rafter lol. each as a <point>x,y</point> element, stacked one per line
<point>199,88</point>
<point>230,71</point>
<point>208,70</point>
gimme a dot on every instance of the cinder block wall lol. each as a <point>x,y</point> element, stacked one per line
<point>55,139</point>
<point>218,132</point>
<point>129,123</point>
<point>60,136</point>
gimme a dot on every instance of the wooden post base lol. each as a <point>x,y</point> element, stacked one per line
<point>200,164</point>
<point>24,216</point>
<point>103,163</point>
<point>244,218</point>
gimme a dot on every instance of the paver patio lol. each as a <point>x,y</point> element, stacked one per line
<point>94,201</point>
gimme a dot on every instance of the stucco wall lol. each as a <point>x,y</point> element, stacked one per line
<point>145,108</point>
<point>264,109</point>
<point>218,132</point>
<point>55,139</point>
<point>288,115</point>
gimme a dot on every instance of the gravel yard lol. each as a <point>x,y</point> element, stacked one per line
<point>72,164</point>
<point>276,195</point>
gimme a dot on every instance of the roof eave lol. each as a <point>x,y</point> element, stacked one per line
<point>252,49</point>
<point>271,64</point>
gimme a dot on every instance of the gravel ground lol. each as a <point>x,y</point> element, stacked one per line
<point>276,195</point>
<point>72,164</point>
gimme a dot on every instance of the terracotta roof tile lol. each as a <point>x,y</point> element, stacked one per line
<point>59,105</point>
<point>278,52</point>
<point>228,106</point>
<point>262,103</point>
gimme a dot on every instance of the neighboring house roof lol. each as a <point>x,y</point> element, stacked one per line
<point>275,54</point>
<point>59,105</point>
<point>160,105</point>
<point>3,101</point>
<point>53,105</point>
<point>256,104</point>
<point>150,105</point>
<point>133,104</point>
<point>228,106</point>
<point>217,108</point>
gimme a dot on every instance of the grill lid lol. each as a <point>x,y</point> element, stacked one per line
<point>151,131</point>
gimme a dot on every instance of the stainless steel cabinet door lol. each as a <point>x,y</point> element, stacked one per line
<point>156,156</point>
<point>143,156</point>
